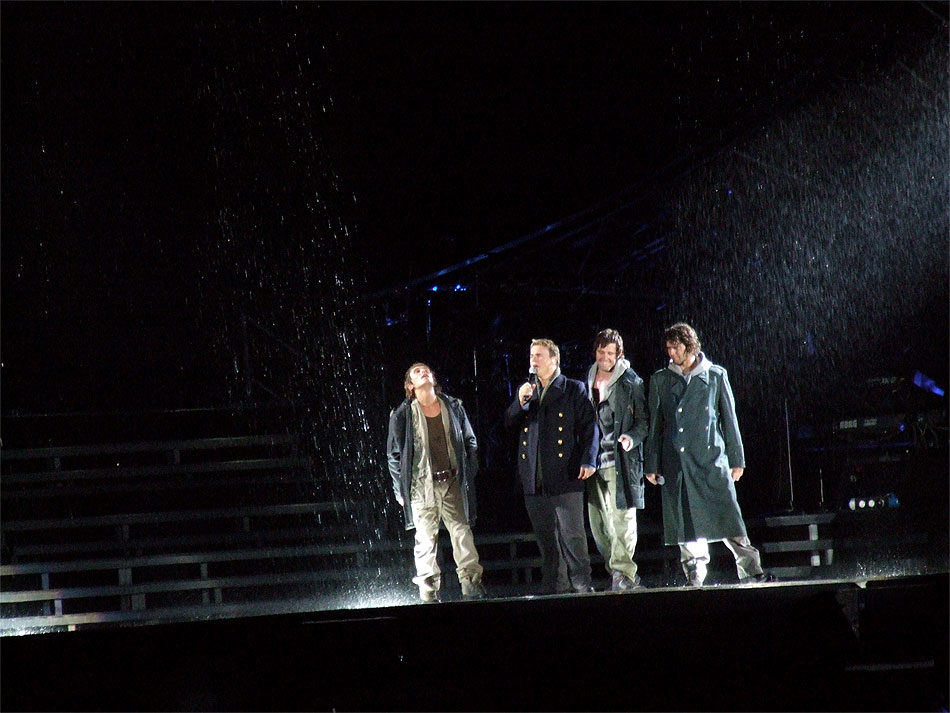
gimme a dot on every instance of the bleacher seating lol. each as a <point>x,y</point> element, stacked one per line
<point>178,529</point>
<point>129,527</point>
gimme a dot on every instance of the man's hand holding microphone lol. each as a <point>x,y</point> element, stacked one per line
<point>529,387</point>
<point>526,392</point>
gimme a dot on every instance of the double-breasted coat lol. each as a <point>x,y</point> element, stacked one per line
<point>693,442</point>
<point>561,431</point>
<point>399,447</point>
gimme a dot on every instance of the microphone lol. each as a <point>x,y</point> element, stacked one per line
<point>660,480</point>
<point>533,380</point>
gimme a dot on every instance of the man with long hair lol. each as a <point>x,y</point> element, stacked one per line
<point>433,461</point>
<point>694,443</point>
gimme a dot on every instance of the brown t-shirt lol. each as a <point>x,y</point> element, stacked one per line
<point>438,449</point>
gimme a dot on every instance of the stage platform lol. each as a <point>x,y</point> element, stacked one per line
<point>877,644</point>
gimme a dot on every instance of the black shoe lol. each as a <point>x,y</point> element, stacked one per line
<point>763,578</point>
<point>429,596</point>
<point>476,590</point>
<point>693,579</point>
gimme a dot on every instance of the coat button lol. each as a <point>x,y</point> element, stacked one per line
<point>523,456</point>
<point>682,448</point>
<point>707,408</point>
<point>524,443</point>
<point>681,430</point>
<point>560,428</point>
<point>679,410</point>
<point>560,455</point>
<point>525,429</point>
<point>560,415</point>
<point>560,441</point>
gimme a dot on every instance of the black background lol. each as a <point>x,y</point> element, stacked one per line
<point>433,131</point>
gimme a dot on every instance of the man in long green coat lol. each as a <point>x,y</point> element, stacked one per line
<point>695,449</point>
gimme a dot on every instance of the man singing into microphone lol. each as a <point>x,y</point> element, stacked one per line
<point>694,443</point>
<point>557,452</point>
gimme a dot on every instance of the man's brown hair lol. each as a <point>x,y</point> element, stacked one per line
<point>608,336</point>
<point>683,334</point>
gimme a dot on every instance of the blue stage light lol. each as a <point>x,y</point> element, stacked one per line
<point>927,384</point>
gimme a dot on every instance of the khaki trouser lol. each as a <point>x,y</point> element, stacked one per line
<point>450,509</point>
<point>615,531</point>
<point>694,556</point>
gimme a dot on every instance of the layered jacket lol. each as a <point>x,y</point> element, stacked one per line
<point>560,432</point>
<point>693,442</point>
<point>399,452</point>
<point>626,395</point>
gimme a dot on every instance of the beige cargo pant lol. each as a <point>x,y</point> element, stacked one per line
<point>615,531</point>
<point>450,509</point>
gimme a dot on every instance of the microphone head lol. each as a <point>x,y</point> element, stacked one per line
<point>660,480</point>
<point>532,369</point>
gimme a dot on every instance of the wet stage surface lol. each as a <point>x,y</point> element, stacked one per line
<point>878,644</point>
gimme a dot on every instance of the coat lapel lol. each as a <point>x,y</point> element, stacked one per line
<point>555,390</point>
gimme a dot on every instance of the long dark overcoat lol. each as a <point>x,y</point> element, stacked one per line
<point>693,442</point>
<point>561,430</point>
<point>399,454</point>
<point>629,403</point>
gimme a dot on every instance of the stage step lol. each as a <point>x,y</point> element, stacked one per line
<point>796,535</point>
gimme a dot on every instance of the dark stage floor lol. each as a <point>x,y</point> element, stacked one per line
<point>833,645</point>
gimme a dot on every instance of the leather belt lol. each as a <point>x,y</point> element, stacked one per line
<point>440,476</point>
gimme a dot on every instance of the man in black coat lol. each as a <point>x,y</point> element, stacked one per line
<point>557,451</point>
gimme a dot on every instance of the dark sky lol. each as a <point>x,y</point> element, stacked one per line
<point>456,127</point>
<point>476,124</point>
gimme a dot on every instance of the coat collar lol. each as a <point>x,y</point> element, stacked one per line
<point>619,372</point>
<point>558,383</point>
<point>700,371</point>
<point>449,401</point>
